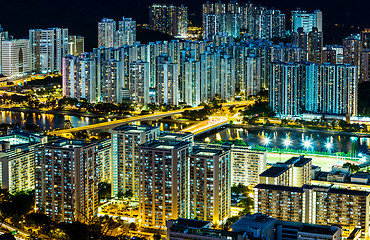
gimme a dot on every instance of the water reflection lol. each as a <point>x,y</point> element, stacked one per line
<point>321,142</point>
<point>56,121</point>
<point>46,121</point>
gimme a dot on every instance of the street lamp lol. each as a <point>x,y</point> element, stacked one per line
<point>266,140</point>
<point>329,146</point>
<point>307,144</point>
<point>287,142</point>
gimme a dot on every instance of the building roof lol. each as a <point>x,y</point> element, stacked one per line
<point>174,135</point>
<point>67,143</point>
<point>298,161</point>
<point>134,128</point>
<point>255,221</point>
<point>193,223</point>
<point>164,145</point>
<point>319,229</point>
<point>206,152</point>
<point>274,171</point>
<point>336,190</point>
<point>279,188</point>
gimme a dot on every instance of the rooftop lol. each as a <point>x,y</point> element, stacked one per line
<point>319,229</point>
<point>192,223</point>
<point>134,128</point>
<point>274,171</point>
<point>336,190</point>
<point>206,152</point>
<point>298,161</point>
<point>256,221</point>
<point>279,188</point>
<point>165,145</point>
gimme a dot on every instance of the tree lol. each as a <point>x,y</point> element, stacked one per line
<point>133,226</point>
<point>39,220</point>
<point>128,194</point>
<point>81,135</point>
<point>230,221</point>
<point>104,190</point>
<point>343,125</point>
<point>157,236</point>
<point>352,167</point>
<point>239,189</point>
<point>284,122</point>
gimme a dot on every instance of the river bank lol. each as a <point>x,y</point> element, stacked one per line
<point>301,130</point>
<point>71,113</point>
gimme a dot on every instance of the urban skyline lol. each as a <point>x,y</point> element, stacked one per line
<point>216,119</point>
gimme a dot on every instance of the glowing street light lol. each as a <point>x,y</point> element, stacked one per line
<point>287,142</point>
<point>329,146</point>
<point>307,144</point>
<point>266,141</point>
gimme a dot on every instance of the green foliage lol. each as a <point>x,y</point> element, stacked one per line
<point>260,108</point>
<point>239,142</point>
<point>128,194</point>
<point>133,226</point>
<point>38,220</point>
<point>350,127</point>
<point>230,221</point>
<point>239,189</point>
<point>105,190</point>
<point>157,236</point>
<point>80,135</point>
<point>352,167</point>
<point>66,101</point>
<point>45,81</point>
<point>17,204</point>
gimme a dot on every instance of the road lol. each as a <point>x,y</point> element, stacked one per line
<point>207,125</point>
<point>19,232</point>
<point>116,123</point>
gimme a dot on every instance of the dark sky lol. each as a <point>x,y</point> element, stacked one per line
<point>81,16</point>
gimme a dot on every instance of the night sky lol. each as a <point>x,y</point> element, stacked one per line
<point>81,16</point>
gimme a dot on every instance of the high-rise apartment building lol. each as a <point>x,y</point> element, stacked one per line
<point>126,157</point>
<point>365,38</point>
<point>295,173</point>
<point>265,23</point>
<point>191,83</point>
<point>48,47</point>
<point>139,82</point>
<point>15,57</point>
<point>365,65</point>
<point>253,79</point>
<point>307,87</point>
<point>307,21</point>
<point>169,19</point>
<point>300,39</point>
<point>79,77</point>
<point>316,205</point>
<point>209,184</point>
<point>76,45</point>
<point>315,46</point>
<point>18,169</point>
<point>167,81</point>
<point>107,33</point>
<point>3,37</point>
<point>285,88</point>
<point>352,50</point>
<point>246,165</point>
<point>280,202</point>
<point>66,182</point>
<point>162,172</point>
<point>126,33</point>
<point>104,163</point>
